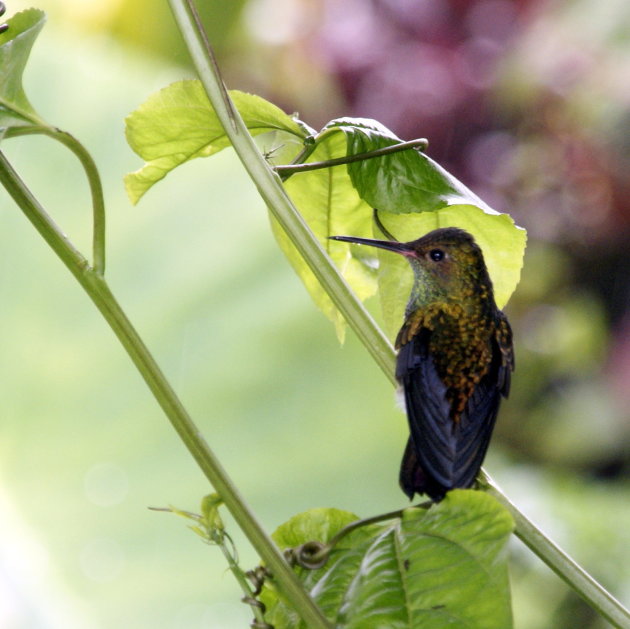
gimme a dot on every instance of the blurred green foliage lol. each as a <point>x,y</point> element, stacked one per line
<point>296,421</point>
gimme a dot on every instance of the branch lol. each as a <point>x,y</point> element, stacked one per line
<point>287,170</point>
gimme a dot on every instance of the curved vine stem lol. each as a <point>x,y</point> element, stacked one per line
<point>377,344</point>
<point>94,181</point>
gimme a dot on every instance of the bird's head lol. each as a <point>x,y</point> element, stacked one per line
<point>447,261</point>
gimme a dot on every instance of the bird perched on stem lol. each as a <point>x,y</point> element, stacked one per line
<point>455,359</point>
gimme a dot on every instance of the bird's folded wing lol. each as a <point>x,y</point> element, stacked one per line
<point>449,452</point>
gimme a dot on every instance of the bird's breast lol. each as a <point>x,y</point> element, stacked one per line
<point>460,346</point>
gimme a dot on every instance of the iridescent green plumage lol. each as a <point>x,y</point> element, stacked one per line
<point>454,361</point>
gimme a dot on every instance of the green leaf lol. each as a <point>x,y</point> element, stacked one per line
<point>330,205</point>
<point>404,182</point>
<point>502,242</point>
<point>441,567</point>
<point>15,46</point>
<point>178,123</point>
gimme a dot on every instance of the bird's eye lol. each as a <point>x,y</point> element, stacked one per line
<point>437,255</point>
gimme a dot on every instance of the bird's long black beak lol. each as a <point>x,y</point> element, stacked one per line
<point>397,247</point>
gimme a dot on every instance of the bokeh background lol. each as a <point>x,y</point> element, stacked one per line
<point>527,102</point>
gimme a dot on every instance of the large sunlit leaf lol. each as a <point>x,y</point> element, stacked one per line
<point>178,123</point>
<point>441,567</point>
<point>15,46</point>
<point>330,205</point>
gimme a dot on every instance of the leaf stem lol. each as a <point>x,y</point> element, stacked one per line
<point>285,171</point>
<point>249,597</point>
<point>94,181</point>
<point>375,519</point>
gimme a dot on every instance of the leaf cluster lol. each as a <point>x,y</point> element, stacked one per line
<point>411,192</point>
<point>445,566</point>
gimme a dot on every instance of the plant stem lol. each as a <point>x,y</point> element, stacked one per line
<point>342,296</point>
<point>99,292</point>
<point>213,532</point>
<point>375,519</point>
<point>94,180</point>
<point>286,171</point>
<point>248,594</point>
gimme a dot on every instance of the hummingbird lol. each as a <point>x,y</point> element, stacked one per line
<point>454,362</point>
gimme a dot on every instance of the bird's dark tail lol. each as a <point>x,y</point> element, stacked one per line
<point>413,479</point>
